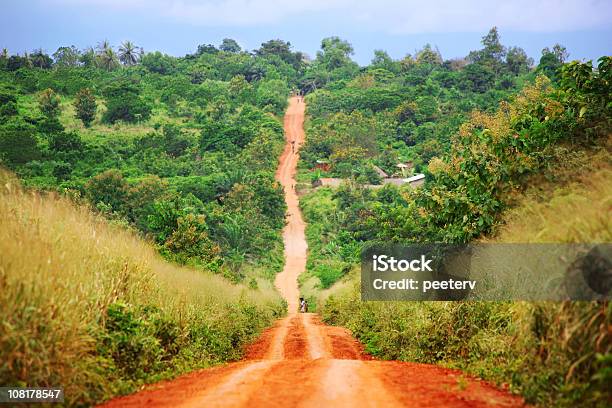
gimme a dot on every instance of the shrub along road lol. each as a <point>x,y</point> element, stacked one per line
<point>302,362</point>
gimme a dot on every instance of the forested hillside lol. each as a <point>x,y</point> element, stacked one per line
<point>404,111</point>
<point>181,149</point>
<point>508,161</point>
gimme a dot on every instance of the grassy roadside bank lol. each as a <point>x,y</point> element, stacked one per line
<point>554,354</point>
<point>97,310</point>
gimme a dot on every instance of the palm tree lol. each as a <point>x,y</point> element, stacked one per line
<point>129,53</point>
<point>88,57</point>
<point>40,59</point>
<point>103,46</point>
<point>4,54</point>
<point>27,61</point>
<point>107,58</point>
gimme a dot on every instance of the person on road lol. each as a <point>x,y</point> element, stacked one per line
<point>303,305</point>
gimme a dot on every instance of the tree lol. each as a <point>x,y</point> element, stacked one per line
<point>175,143</point>
<point>383,60</point>
<point>281,49</point>
<point>18,144</point>
<point>492,54</point>
<point>190,242</point>
<point>129,54</point>
<point>106,57</point>
<point>27,60</point>
<point>15,62</point>
<point>493,48</point>
<point>551,61</point>
<point>8,109</point>
<point>65,142</point>
<point>40,59</point>
<point>85,106</point>
<point>158,62</point>
<point>206,49</point>
<point>559,51</point>
<point>88,57</point>
<point>49,103</point>
<point>273,93</point>
<point>4,56</point>
<point>480,78</point>
<point>109,188</point>
<point>517,60</point>
<point>429,55</point>
<point>123,102</point>
<point>230,45</point>
<point>8,104</point>
<point>67,57</point>
<point>62,170</point>
<point>334,53</point>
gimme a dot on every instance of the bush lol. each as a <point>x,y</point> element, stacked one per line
<point>49,103</point>
<point>50,126</point>
<point>123,102</point>
<point>190,243</point>
<point>130,339</point>
<point>18,144</point>
<point>165,215</point>
<point>109,188</point>
<point>66,142</point>
<point>8,109</point>
<point>545,351</point>
<point>92,307</point>
<point>85,106</point>
<point>329,274</point>
<point>175,143</point>
<point>7,97</point>
<point>62,170</point>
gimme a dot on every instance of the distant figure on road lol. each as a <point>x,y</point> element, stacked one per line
<point>293,146</point>
<point>303,305</point>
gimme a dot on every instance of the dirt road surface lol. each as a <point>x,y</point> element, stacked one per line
<point>300,362</point>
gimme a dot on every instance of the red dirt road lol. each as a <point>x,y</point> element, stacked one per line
<point>301,362</point>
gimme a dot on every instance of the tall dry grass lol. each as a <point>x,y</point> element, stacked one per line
<point>574,208</point>
<point>61,267</point>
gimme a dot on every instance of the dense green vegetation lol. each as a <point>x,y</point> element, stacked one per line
<point>492,144</point>
<point>484,154</point>
<point>403,111</point>
<point>182,149</point>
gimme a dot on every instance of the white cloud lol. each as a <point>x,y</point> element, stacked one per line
<point>391,16</point>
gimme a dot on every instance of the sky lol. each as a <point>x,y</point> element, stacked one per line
<point>176,27</point>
